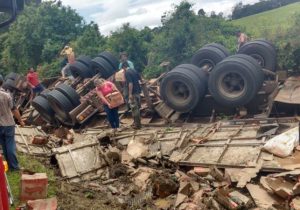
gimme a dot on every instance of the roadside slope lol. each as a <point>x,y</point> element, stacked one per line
<point>269,23</point>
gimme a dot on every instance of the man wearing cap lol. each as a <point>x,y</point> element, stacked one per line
<point>7,127</point>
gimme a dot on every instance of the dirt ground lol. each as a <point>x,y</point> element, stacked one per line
<point>71,196</point>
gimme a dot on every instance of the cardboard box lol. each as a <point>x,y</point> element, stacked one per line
<point>115,99</point>
<point>33,186</point>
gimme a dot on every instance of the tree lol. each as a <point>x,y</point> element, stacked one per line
<point>201,12</point>
<point>39,34</point>
<point>90,42</point>
<point>133,42</point>
<point>175,41</point>
<point>182,34</point>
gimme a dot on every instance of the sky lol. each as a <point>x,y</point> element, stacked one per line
<point>112,14</point>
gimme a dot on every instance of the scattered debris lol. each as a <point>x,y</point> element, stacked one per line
<point>261,197</point>
<point>42,204</point>
<point>169,168</point>
<point>164,185</point>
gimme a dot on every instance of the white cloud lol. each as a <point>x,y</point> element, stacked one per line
<point>79,5</point>
<point>140,13</point>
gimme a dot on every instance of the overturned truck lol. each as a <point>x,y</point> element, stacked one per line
<point>215,82</point>
<point>62,104</point>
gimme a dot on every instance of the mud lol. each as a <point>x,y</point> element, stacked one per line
<point>73,196</point>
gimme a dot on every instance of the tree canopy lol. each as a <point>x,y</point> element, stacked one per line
<point>42,30</point>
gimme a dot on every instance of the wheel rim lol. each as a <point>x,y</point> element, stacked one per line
<point>179,91</point>
<point>207,62</point>
<point>232,84</point>
<point>259,59</point>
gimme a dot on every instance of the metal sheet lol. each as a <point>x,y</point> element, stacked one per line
<point>290,92</point>
<point>206,155</point>
<point>79,159</point>
<point>23,137</point>
<point>243,155</point>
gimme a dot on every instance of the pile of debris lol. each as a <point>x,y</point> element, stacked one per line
<point>196,166</point>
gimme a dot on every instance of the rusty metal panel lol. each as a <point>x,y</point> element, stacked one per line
<point>290,93</point>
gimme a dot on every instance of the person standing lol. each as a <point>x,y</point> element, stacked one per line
<point>7,127</point>
<point>34,83</point>
<point>242,39</point>
<point>119,77</point>
<point>69,59</point>
<point>69,53</point>
<point>132,78</point>
<point>103,88</point>
<point>124,58</point>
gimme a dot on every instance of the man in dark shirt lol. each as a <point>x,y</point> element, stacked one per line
<point>134,90</point>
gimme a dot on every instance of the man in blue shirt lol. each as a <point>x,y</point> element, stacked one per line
<point>124,58</point>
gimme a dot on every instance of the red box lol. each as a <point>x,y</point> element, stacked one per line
<point>33,186</point>
<point>43,204</point>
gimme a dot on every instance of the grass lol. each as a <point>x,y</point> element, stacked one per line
<point>270,22</point>
<point>32,164</point>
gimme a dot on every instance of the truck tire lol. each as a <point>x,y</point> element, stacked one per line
<point>202,75</point>
<point>100,65</point>
<point>86,60</point>
<point>251,64</point>
<point>110,58</point>
<point>179,89</point>
<point>220,47</point>
<point>232,83</point>
<point>271,45</point>
<point>12,76</point>
<point>70,93</point>
<point>208,56</point>
<point>261,52</point>
<point>9,84</point>
<point>60,104</point>
<point>78,69</point>
<point>44,94</point>
<point>42,106</point>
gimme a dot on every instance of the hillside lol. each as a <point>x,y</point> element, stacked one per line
<point>269,23</point>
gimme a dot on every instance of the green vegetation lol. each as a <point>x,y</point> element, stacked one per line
<point>281,26</point>
<point>41,31</point>
<point>241,10</point>
<point>31,164</point>
<point>270,23</point>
